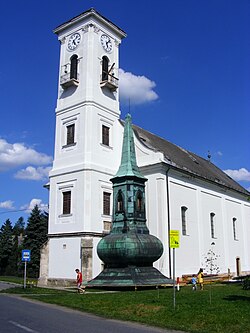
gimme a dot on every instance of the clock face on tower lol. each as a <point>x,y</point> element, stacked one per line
<point>74,41</point>
<point>106,43</point>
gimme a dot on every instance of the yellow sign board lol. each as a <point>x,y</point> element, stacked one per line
<point>174,239</point>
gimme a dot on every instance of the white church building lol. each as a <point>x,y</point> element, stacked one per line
<point>184,191</point>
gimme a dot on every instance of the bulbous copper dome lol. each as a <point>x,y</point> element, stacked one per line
<point>129,249</point>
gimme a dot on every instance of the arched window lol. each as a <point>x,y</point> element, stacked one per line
<point>234,228</point>
<point>139,201</point>
<point>120,205</point>
<point>105,68</point>
<point>184,220</point>
<point>212,219</point>
<point>73,66</point>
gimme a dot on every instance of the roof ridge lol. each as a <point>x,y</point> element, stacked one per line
<point>186,160</point>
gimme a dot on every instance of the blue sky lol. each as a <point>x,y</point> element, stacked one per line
<point>188,63</point>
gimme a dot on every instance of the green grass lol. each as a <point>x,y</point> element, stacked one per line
<point>33,291</point>
<point>228,312</point>
<point>13,279</point>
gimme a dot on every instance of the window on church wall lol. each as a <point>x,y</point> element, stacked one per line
<point>73,66</point>
<point>212,224</point>
<point>105,135</point>
<point>106,203</point>
<point>184,220</point>
<point>70,134</point>
<point>105,68</point>
<point>66,202</point>
<point>234,228</point>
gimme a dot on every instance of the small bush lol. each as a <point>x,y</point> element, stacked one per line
<point>246,283</point>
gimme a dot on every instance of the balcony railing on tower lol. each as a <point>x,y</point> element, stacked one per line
<point>66,80</point>
<point>109,80</point>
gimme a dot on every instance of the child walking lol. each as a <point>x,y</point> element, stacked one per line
<point>80,289</point>
<point>194,282</point>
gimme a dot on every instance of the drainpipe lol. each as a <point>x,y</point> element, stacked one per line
<point>168,208</point>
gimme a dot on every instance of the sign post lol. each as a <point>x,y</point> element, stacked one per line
<point>25,258</point>
<point>174,241</point>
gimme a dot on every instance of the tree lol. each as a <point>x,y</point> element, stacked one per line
<point>211,264</point>
<point>12,267</point>
<point>36,234</point>
<point>6,246</point>
<point>19,227</point>
<point>15,267</point>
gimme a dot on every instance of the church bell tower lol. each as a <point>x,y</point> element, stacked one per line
<point>86,142</point>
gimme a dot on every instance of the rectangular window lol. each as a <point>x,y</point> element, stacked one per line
<point>66,202</point>
<point>105,135</point>
<point>106,203</point>
<point>71,134</point>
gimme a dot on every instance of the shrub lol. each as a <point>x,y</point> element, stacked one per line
<point>246,283</point>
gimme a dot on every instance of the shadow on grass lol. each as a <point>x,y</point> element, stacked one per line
<point>237,298</point>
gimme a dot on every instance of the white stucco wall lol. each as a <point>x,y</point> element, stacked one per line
<point>87,166</point>
<point>64,257</point>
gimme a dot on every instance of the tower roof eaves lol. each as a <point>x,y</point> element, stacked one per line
<point>88,13</point>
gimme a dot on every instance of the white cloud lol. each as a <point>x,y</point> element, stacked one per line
<point>31,173</point>
<point>16,154</point>
<point>239,175</point>
<point>7,204</point>
<point>136,89</point>
<point>32,204</point>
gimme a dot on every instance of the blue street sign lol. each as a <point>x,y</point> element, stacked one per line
<point>25,255</point>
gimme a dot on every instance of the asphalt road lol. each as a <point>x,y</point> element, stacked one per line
<point>18,315</point>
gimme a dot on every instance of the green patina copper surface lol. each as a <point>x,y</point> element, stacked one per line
<point>128,166</point>
<point>129,251</point>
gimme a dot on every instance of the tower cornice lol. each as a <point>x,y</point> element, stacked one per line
<point>88,14</point>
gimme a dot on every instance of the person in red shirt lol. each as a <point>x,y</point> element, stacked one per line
<point>79,281</point>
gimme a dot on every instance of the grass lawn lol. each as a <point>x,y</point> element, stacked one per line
<point>228,312</point>
<point>13,279</point>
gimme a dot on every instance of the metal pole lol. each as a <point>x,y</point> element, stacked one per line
<point>168,217</point>
<point>174,273</point>
<point>24,280</point>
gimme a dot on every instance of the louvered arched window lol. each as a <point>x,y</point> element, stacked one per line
<point>105,68</point>
<point>73,66</point>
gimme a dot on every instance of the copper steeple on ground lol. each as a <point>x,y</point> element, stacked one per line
<point>129,251</point>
